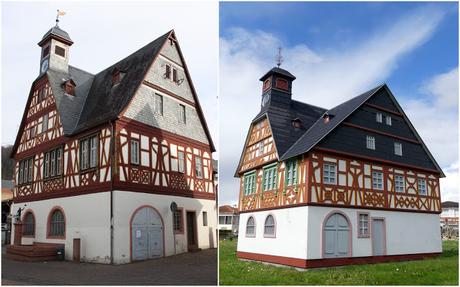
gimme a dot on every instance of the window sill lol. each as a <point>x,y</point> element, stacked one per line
<point>364,236</point>
<point>52,177</point>
<point>24,184</point>
<point>55,237</point>
<point>251,236</point>
<point>88,170</point>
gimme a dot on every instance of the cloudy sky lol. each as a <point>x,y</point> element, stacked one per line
<point>104,33</point>
<point>337,51</point>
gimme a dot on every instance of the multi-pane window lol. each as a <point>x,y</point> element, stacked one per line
<point>180,161</point>
<point>225,219</point>
<point>261,148</point>
<point>250,183</point>
<point>398,149</point>
<point>291,172</point>
<point>198,167</point>
<point>378,117</point>
<point>29,224</point>
<point>377,180</point>
<point>251,227</point>
<point>399,183</point>
<point>25,175</point>
<point>182,116</point>
<point>421,183</point>
<point>168,71</point>
<point>88,152</point>
<point>330,173</point>
<point>370,142</point>
<point>134,151</point>
<point>57,224</point>
<point>363,224</point>
<point>178,224</point>
<point>269,226</point>
<point>269,178</point>
<point>205,218</point>
<point>388,120</point>
<point>158,104</point>
<point>53,163</point>
<point>45,123</point>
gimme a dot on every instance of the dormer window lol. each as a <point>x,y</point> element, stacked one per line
<point>327,117</point>
<point>59,51</point>
<point>282,84</point>
<point>116,76</point>
<point>297,123</point>
<point>69,87</point>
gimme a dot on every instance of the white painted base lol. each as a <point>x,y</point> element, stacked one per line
<point>88,218</point>
<point>299,232</point>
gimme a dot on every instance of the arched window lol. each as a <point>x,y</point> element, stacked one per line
<point>57,223</point>
<point>269,226</point>
<point>29,224</point>
<point>251,227</point>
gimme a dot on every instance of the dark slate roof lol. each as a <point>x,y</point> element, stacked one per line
<point>56,31</point>
<point>277,70</point>
<point>319,129</point>
<point>449,204</point>
<point>104,101</point>
<point>284,133</point>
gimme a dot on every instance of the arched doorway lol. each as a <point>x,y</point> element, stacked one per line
<point>336,236</point>
<point>147,239</point>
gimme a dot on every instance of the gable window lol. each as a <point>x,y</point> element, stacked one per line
<point>29,224</point>
<point>32,132</point>
<point>330,173</point>
<point>269,226</point>
<point>259,148</point>
<point>181,161</point>
<point>421,183</point>
<point>388,120</point>
<point>41,94</point>
<point>56,224</point>
<point>182,117</point>
<point>88,152</point>
<point>45,123</point>
<point>178,221</point>
<point>168,71</point>
<point>250,183</point>
<point>269,177</point>
<point>399,183</point>
<point>158,104</point>
<point>205,218</point>
<point>174,75</point>
<point>134,151</point>
<point>377,180</point>
<point>59,51</point>
<point>291,172</point>
<point>251,227</point>
<point>378,117</point>
<point>363,224</point>
<point>198,167</point>
<point>398,149</point>
<point>370,142</point>
<point>25,175</point>
<point>53,163</point>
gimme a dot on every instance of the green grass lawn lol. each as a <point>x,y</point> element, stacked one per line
<point>442,270</point>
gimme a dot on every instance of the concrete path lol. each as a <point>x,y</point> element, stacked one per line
<point>198,268</point>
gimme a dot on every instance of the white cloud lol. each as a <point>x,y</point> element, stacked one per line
<point>451,183</point>
<point>325,77</point>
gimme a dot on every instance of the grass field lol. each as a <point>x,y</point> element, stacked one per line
<point>442,270</point>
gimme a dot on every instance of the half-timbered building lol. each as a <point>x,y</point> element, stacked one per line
<point>325,187</point>
<point>115,166</point>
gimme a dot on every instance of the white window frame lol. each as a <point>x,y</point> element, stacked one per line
<point>93,144</point>
<point>135,151</point>
<point>45,123</point>
<point>377,180</point>
<point>363,225</point>
<point>370,142</point>
<point>198,167</point>
<point>399,183</point>
<point>158,104</point>
<point>379,117</point>
<point>251,227</point>
<point>270,229</point>
<point>388,120</point>
<point>329,173</point>
<point>181,161</point>
<point>182,114</point>
<point>398,148</point>
<point>422,187</point>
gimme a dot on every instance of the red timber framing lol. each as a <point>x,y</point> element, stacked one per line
<point>353,187</point>
<point>158,168</point>
<point>330,262</point>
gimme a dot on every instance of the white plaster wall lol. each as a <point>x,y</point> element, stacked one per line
<point>406,232</point>
<point>87,217</point>
<point>125,204</point>
<point>291,233</point>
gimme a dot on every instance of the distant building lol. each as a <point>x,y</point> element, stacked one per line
<point>228,220</point>
<point>7,197</point>
<point>449,215</point>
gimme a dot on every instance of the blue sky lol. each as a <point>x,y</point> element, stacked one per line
<point>338,50</point>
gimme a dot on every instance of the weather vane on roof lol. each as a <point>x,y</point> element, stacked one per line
<point>59,13</point>
<point>279,58</point>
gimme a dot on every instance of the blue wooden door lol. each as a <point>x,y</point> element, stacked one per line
<point>336,236</point>
<point>147,234</point>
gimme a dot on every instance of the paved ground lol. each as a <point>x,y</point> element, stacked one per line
<point>198,268</point>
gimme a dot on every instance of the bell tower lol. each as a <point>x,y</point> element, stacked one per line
<point>55,46</point>
<point>276,88</point>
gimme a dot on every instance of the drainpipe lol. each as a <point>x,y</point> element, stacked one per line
<point>112,161</point>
